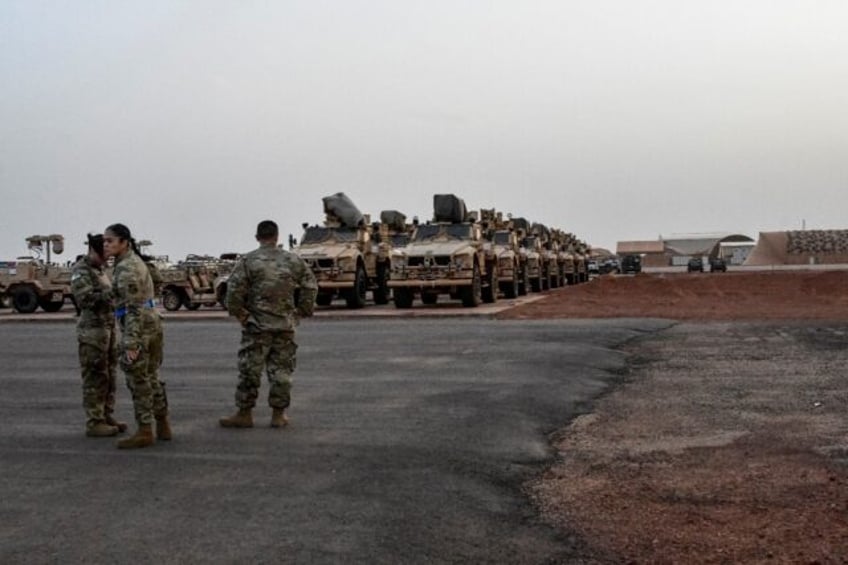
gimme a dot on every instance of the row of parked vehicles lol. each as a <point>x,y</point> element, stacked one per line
<point>473,257</point>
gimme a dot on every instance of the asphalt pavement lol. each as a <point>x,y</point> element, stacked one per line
<point>410,442</point>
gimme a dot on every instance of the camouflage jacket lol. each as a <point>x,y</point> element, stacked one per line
<point>133,290</point>
<point>92,292</point>
<point>270,288</point>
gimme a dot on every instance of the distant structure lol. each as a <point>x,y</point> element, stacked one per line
<point>679,248</point>
<point>800,247</point>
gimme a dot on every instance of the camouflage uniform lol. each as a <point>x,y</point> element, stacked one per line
<point>98,349</point>
<point>141,328</point>
<point>269,290</point>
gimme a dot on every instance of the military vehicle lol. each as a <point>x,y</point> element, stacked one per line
<point>446,256</point>
<point>198,280</point>
<point>512,276</point>
<point>549,257</point>
<point>346,258</point>
<point>30,282</point>
<point>530,247</point>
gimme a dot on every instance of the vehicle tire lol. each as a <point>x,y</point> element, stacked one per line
<point>544,280</point>
<point>49,306</point>
<point>472,295</point>
<point>381,288</point>
<point>172,299</point>
<point>524,283</point>
<point>511,288</point>
<point>490,291</point>
<point>192,305</point>
<point>536,284</point>
<point>429,297</point>
<point>553,280</point>
<point>25,300</point>
<point>323,299</point>
<point>402,297</point>
<point>355,297</point>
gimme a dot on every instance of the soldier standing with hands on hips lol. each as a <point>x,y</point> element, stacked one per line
<point>96,335</point>
<point>268,291</point>
<point>141,337</point>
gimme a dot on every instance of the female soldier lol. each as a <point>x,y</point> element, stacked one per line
<point>141,337</point>
<point>98,352</point>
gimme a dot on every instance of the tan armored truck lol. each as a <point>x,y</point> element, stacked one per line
<point>511,272</point>
<point>30,282</point>
<point>197,281</point>
<point>449,256</point>
<point>565,259</point>
<point>530,247</point>
<point>549,252</point>
<point>346,258</point>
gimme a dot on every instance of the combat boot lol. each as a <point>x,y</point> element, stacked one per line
<point>241,419</point>
<point>163,428</point>
<point>100,429</point>
<point>279,418</point>
<point>142,438</point>
<point>122,426</point>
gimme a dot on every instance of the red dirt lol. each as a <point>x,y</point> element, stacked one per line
<point>728,440</point>
<point>778,295</point>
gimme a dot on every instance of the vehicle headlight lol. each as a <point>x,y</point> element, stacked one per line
<point>346,264</point>
<point>459,263</point>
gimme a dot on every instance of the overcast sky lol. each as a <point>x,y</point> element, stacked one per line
<point>616,120</point>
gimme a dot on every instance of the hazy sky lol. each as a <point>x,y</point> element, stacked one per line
<point>191,121</point>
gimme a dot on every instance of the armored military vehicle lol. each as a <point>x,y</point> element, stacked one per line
<point>446,256</point>
<point>198,280</point>
<point>30,282</point>
<point>345,256</point>
<point>550,256</point>
<point>511,272</point>
<point>530,247</point>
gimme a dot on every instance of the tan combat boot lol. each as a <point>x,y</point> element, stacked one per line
<point>241,419</point>
<point>279,418</point>
<point>100,429</point>
<point>122,426</point>
<point>142,438</point>
<point>163,428</point>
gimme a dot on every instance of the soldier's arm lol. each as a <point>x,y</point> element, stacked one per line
<point>87,293</point>
<point>307,290</point>
<point>237,292</point>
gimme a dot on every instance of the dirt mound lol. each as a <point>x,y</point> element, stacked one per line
<point>772,295</point>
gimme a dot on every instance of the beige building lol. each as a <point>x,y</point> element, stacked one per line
<point>678,249</point>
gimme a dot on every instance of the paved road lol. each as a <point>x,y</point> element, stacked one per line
<point>410,442</point>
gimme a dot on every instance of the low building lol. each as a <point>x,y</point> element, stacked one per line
<point>679,248</point>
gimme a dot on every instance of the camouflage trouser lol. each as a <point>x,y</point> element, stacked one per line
<point>274,351</point>
<point>98,356</point>
<point>148,391</point>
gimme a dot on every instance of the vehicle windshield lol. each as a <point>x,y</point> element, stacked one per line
<point>530,241</point>
<point>399,239</point>
<point>318,234</point>
<point>501,238</point>
<point>453,231</point>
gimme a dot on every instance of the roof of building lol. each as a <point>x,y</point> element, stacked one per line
<point>632,247</point>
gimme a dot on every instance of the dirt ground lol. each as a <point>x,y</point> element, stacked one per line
<point>727,441</point>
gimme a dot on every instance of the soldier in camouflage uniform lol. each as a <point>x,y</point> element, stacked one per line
<point>141,337</point>
<point>98,351</point>
<point>268,291</point>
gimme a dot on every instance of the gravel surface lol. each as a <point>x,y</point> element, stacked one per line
<point>728,441</point>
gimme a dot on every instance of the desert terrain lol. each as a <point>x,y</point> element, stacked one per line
<point>727,439</point>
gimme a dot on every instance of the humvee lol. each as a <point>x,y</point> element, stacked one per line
<point>446,256</point>
<point>346,258</point>
<point>511,272</point>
